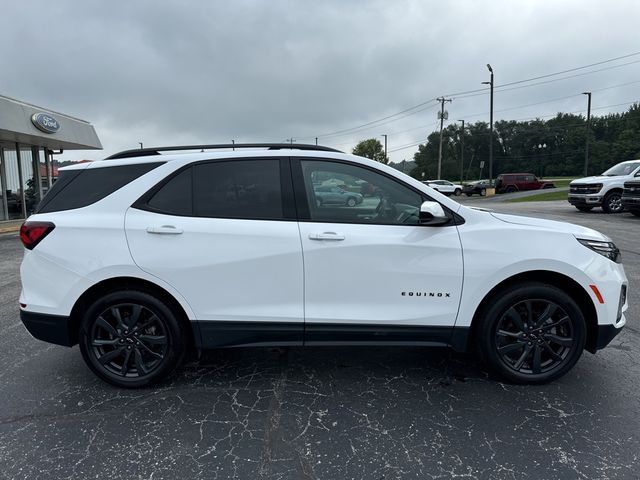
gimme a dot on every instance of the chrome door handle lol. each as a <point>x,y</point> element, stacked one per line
<point>165,230</point>
<point>326,236</point>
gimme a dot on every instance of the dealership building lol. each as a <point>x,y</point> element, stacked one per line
<point>29,137</point>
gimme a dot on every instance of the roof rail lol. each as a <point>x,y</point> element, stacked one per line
<point>142,152</point>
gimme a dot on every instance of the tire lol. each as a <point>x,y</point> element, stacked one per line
<point>612,203</point>
<point>469,194</point>
<point>137,355</point>
<point>519,353</point>
<point>510,189</point>
<point>457,192</point>
<point>351,202</point>
<point>584,209</point>
<point>483,192</point>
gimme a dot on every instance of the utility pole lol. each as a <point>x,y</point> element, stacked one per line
<point>462,153</point>
<point>316,140</point>
<point>290,140</point>
<point>586,143</point>
<point>441,100</point>
<point>385,147</point>
<point>490,126</point>
<point>233,142</point>
<point>141,146</point>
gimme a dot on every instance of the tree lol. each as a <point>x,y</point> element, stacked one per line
<point>371,148</point>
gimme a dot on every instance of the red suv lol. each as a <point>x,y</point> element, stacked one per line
<point>514,182</point>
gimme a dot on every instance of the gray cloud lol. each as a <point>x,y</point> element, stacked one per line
<point>202,71</point>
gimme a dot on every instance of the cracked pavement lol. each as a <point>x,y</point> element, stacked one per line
<point>323,413</point>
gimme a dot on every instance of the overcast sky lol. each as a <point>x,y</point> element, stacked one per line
<point>174,72</point>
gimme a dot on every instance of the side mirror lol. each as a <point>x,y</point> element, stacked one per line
<point>431,213</point>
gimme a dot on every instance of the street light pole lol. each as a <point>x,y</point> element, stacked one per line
<point>441,100</point>
<point>141,146</point>
<point>233,142</point>
<point>462,153</point>
<point>385,147</point>
<point>586,142</point>
<point>490,126</point>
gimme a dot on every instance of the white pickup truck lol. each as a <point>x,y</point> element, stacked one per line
<point>603,190</point>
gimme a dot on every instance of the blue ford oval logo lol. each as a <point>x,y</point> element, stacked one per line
<point>45,122</point>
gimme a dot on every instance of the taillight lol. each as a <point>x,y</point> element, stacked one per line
<point>32,233</point>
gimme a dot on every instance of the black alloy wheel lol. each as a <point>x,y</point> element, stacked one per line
<point>532,333</point>
<point>131,339</point>
<point>534,336</point>
<point>612,203</point>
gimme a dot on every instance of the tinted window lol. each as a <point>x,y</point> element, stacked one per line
<point>361,196</point>
<point>174,197</point>
<point>80,188</point>
<point>238,189</point>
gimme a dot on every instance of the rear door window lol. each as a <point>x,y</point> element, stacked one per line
<point>243,189</point>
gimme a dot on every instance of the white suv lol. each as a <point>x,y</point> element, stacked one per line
<point>147,255</point>
<point>603,190</point>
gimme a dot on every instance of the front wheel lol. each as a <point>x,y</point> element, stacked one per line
<point>351,202</point>
<point>532,333</point>
<point>612,203</point>
<point>132,339</point>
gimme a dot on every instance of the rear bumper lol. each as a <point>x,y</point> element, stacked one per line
<point>49,328</point>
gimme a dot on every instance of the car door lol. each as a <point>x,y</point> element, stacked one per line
<point>224,234</point>
<point>372,272</point>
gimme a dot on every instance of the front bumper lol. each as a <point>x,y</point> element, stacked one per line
<point>631,203</point>
<point>49,328</point>
<point>589,200</point>
<point>606,333</point>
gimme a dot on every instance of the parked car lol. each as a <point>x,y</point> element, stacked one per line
<point>331,195</point>
<point>514,182</point>
<point>631,197</point>
<point>144,256</point>
<point>478,187</point>
<point>603,190</point>
<point>444,186</point>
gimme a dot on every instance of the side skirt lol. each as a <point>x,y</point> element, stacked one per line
<point>217,334</point>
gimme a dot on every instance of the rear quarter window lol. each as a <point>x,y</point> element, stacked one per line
<point>81,188</point>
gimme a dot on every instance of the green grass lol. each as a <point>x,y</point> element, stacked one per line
<point>542,197</point>
<point>561,181</point>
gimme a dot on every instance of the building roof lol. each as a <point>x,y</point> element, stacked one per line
<point>29,124</point>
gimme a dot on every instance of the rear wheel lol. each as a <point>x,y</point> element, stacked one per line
<point>612,203</point>
<point>584,209</point>
<point>510,189</point>
<point>132,339</point>
<point>457,192</point>
<point>532,333</point>
<point>351,202</point>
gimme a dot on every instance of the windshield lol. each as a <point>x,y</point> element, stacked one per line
<point>622,169</point>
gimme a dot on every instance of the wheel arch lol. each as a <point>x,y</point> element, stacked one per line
<point>558,280</point>
<point>113,284</point>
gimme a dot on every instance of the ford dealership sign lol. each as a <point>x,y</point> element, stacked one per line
<point>45,122</point>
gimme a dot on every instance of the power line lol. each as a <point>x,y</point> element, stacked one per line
<point>484,90</point>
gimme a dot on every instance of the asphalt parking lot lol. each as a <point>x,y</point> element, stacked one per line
<point>325,413</point>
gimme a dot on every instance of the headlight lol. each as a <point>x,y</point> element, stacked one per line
<point>607,249</point>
